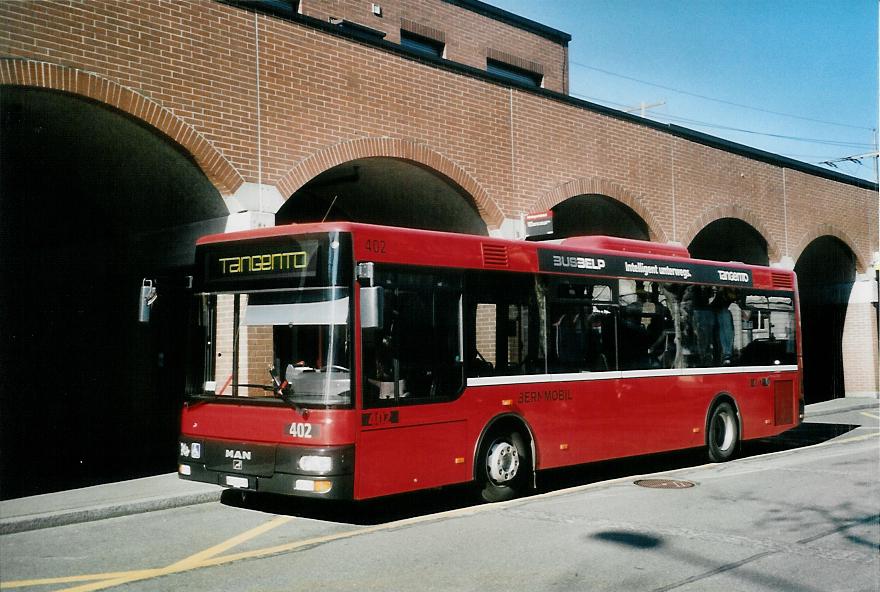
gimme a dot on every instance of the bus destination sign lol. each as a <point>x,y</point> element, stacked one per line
<point>641,268</point>
<point>260,260</point>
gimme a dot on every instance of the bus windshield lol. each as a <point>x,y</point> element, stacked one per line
<point>292,346</point>
<point>276,319</point>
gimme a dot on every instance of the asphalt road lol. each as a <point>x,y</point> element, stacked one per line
<point>800,512</point>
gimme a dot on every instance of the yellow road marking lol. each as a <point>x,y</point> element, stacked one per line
<point>107,580</point>
<point>61,580</point>
<point>198,558</point>
<point>871,415</point>
<point>207,558</point>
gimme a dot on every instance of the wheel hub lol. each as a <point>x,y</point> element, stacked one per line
<point>724,431</point>
<point>502,462</point>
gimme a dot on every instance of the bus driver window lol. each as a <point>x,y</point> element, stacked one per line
<point>415,356</point>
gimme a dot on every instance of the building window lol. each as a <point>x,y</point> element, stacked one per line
<point>357,29</point>
<point>421,45</point>
<point>286,8</point>
<point>514,73</point>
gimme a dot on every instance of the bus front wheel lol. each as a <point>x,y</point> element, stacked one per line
<point>723,433</point>
<point>504,467</point>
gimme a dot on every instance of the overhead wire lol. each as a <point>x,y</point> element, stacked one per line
<point>722,101</point>
<point>828,142</point>
<point>817,160</point>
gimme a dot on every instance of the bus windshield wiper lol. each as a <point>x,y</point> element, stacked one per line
<point>282,389</point>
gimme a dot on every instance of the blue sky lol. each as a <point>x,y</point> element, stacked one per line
<point>812,59</point>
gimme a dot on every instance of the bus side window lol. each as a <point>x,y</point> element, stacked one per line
<point>647,333</point>
<point>503,325</point>
<point>764,330</point>
<point>416,355</point>
<point>581,328</point>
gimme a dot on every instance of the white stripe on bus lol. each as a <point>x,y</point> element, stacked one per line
<point>618,374</point>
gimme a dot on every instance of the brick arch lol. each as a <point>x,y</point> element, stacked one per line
<point>315,164</point>
<point>34,74</point>
<point>823,229</point>
<point>732,211</point>
<point>598,186</point>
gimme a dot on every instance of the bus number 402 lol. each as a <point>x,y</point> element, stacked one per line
<point>375,246</point>
<point>301,430</point>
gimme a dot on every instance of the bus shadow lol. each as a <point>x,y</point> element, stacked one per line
<point>361,513</point>
<point>807,434</point>
<point>422,503</point>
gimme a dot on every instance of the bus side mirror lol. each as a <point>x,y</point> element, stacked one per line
<point>148,297</point>
<point>371,307</point>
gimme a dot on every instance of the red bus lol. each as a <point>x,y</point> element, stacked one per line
<point>350,361</point>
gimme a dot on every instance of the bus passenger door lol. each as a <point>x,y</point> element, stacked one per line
<point>409,448</point>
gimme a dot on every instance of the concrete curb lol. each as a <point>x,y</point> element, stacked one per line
<point>853,407</point>
<point>100,512</point>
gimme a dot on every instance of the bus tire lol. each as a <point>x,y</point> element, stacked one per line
<point>722,433</point>
<point>504,466</point>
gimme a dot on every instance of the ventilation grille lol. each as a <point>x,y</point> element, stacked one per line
<point>782,281</point>
<point>495,256</point>
<point>783,402</point>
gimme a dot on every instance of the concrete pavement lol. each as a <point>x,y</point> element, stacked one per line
<point>167,491</point>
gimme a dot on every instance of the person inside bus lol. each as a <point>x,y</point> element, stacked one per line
<point>679,298</point>
<point>661,333</point>
<point>723,325</point>
<point>633,344</point>
<point>384,380</point>
<point>703,327</point>
<point>570,339</point>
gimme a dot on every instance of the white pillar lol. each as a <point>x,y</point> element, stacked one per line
<point>785,262</point>
<point>253,206</point>
<point>861,369</point>
<point>511,228</point>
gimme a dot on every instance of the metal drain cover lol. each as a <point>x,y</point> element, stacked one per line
<point>664,483</point>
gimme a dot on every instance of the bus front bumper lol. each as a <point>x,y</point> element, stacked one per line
<point>316,472</point>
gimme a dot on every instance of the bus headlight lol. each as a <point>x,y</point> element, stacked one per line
<point>315,464</point>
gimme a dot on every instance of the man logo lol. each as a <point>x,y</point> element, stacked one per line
<point>238,457</point>
<point>239,454</point>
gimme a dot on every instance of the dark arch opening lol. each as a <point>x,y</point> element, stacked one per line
<point>92,202</point>
<point>730,239</point>
<point>584,215</point>
<point>387,191</point>
<point>826,272</point>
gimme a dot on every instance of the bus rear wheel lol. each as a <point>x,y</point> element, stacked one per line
<point>723,433</point>
<point>504,466</point>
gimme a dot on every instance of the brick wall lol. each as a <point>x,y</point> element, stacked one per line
<point>198,61</point>
<point>191,70</point>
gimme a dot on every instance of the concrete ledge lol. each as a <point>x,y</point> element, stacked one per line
<point>88,504</point>
<point>835,406</point>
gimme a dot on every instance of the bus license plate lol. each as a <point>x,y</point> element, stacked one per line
<point>239,482</point>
